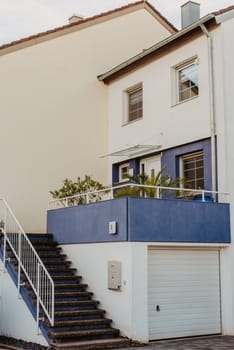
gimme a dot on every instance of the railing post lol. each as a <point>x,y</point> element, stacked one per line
<point>203,196</point>
<point>52,319</point>
<point>4,253</point>
<point>157,192</point>
<point>111,193</point>
<point>19,262</point>
<point>38,297</point>
<point>87,198</point>
<point>66,202</point>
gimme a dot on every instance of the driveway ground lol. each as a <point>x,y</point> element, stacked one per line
<point>203,343</point>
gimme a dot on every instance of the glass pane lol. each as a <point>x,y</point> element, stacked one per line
<point>188,82</point>
<point>193,168</point>
<point>135,105</point>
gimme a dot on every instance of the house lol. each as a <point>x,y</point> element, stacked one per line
<point>161,267</point>
<point>54,114</point>
<point>169,106</point>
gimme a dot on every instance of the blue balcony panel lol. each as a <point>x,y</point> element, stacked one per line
<point>142,220</point>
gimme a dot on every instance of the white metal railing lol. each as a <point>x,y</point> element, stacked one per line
<point>144,191</point>
<point>28,262</point>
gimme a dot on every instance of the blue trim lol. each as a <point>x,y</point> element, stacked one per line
<point>89,223</point>
<point>178,221</point>
<point>142,220</point>
<point>170,159</point>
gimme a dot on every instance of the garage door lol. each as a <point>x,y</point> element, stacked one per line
<point>184,293</point>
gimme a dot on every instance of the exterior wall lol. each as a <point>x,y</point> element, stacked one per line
<point>53,109</point>
<point>16,320</point>
<point>161,118</point>
<point>129,306</point>
<point>224,88</point>
<point>170,160</point>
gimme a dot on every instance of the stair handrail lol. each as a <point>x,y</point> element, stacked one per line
<point>29,262</point>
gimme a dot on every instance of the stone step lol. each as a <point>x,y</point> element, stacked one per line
<point>69,295</point>
<point>39,236</point>
<point>93,344</point>
<point>84,333</point>
<point>78,313</point>
<point>57,278</point>
<point>61,269</point>
<point>46,248</point>
<point>44,242</point>
<point>80,323</point>
<point>77,286</point>
<point>78,303</point>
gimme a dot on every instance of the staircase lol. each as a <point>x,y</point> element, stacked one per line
<point>78,321</point>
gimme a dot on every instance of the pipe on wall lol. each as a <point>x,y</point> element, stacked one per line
<point>212,107</point>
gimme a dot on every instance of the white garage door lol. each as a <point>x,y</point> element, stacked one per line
<point>184,293</point>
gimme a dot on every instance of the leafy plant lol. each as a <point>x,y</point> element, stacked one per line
<point>160,179</point>
<point>76,188</point>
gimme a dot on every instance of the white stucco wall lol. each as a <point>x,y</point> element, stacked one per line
<point>163,122</point>
<point>225,130</point>
<point>169,126</point>
<point>15,319</point>
<point>128,308</point>
<point>54,110</point>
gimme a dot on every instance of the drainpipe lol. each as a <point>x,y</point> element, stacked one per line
<point>212,108</point>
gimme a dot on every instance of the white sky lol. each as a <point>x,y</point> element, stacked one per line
<point>20,18</point>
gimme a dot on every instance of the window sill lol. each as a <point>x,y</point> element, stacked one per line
<point>132,122</point>
<point>182,102</point>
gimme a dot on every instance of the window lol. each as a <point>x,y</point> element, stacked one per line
<point>187,81</point>
<point>123,172</point>
<point>192,170</point>
<point>134,103</point>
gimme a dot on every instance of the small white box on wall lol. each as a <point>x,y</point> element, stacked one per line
<point>112,227</point>
<point>114,275</point>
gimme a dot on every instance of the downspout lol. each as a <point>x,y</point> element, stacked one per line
<point>212,109</point>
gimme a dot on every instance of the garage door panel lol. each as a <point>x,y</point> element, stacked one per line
<point>185,284</point>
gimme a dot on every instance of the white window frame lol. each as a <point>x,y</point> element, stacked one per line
<point>126,97</point>
<point>190,156</point>
<point>121,178</point>
<point>176,81</point>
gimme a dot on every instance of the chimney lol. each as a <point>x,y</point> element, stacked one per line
<point>75,18</point>
<point>190,13</point>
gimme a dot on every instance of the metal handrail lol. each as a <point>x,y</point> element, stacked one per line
<point>29,262</point>
<point>111,190</point>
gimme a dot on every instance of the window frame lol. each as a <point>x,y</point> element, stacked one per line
<point>181,165</point>
<point>127,95</point>
<point>176,77</point>
<point>121,166</point>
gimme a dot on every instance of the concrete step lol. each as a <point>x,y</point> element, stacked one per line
<point>89,333</point>
<point>77,303</point>
<point>78,313</point>
<point>81,323</point>
<point>93,344</point>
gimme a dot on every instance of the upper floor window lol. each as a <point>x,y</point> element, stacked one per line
<point>187,81</point>
<point>134,103</point>
<point>192,170</point>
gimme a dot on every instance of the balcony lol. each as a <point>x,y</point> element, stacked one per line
<point>142,220</point>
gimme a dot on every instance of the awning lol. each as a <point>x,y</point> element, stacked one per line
<point>132,151</point>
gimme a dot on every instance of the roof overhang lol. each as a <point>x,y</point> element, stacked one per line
<point>125,66</point>
<point>133,151</point>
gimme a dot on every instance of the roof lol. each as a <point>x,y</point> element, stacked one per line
<point>222,11</point>
<point>146,54</point>
<point>89,21</point>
